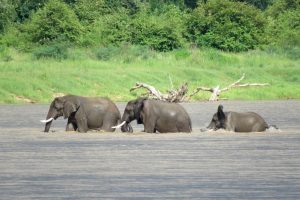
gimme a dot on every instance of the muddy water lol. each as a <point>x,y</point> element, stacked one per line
<point>60,165</point>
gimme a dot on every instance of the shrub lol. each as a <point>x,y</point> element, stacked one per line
<point>114,28</point>
<point>7,13</point>
<point>16,38</point>
<point>88,11</point>
<point>162,32</point>
<point>5,54</point>
<point>125,53</point>
<point>226,25</point>
<point>284,24</point>
<point>57,50</point>
<point>281,6</point>
<point>106,53</point>
<point>55,20</point>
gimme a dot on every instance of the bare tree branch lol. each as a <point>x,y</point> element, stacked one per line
<point>216,91</point>
<point>180,94</point>
<point>151,90</point>
<point>173,95</point>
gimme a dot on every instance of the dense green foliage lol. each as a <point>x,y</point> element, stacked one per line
<point>7,13</point>
<point>284,23</point>
<point>54,21</point>
<point>226,25</point>
<point>162,25</point>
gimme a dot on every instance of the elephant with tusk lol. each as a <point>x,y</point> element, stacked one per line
<point>84,113</point>
<point>156,115</point>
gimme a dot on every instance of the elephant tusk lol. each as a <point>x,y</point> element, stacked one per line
<point>47,120</point>
<point>120,125</point>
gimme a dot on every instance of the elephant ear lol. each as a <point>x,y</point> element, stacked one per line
<point>69,108</point>
<point>138,108</point>
<point>58,102</point>
<point>221,115</point>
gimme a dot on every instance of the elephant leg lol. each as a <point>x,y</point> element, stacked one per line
<point>108,122</point>
<point>82,126</point>
<point>74,125</point>
<point>149,127</point>
<point>149,124</point>
<point>81,120</point>
<point>68,127</point>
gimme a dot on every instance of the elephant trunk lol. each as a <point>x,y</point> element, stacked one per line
<point>127,128</point>
<point>50,116</point>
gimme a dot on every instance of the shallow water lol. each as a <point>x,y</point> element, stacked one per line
<point>93,165</point>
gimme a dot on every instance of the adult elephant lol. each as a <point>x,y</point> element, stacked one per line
<point>237,122</point>
<point>156,115</point>
<point>84,113</point>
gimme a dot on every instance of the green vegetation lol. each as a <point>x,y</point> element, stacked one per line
<point>24,77</point>
<point>102,47</point>
<point>162,25</point>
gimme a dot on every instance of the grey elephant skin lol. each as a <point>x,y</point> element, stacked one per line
<point>156,115</point>
<point>84,113</point>
<point>237,122</point>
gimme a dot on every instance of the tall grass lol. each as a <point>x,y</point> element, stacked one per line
<point>86,72</point>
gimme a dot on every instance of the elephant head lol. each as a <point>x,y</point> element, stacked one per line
<point>132,112</point>
<point>60,106</point>
<point>218,120</point>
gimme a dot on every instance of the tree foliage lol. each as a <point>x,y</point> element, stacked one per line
<point>284,23</point>
<point>162,32</point>
<point>226,25</point>
<point>55,21</point>
<point>7,13</point>
<point>88,11</point>
<point>162,25</point>
<point>261,4</point>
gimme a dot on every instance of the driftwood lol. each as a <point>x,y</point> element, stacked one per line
<point>173,95</point>
<point>216,91</point>
<point>180,94</point>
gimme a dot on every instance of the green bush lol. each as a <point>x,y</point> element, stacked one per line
<point>88,11</point>
<point>14,37</point>
<point>52,22</point>
<point>226,25</point>
<point>113,28</point>
<point>162,32</point>
<point>281,6</point>
<point>5,54</point>
<point>106,53</point>
<point>284,24</point>
<point>26,7</point>
<point>57,51</point>
<point>125,53</point>
<point>7,13</point>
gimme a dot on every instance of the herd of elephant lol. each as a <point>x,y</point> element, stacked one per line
<point>97,113</point>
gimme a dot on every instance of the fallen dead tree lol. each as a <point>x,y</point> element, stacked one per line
<point>180,94</point>
<point>216,91</point>
<point>173,95</point>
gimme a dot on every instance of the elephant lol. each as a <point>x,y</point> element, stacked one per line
<point>84,113</point>
<point>237,122</point>
<point>156,115</point>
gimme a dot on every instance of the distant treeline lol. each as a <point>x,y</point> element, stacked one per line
<point>161,25</point>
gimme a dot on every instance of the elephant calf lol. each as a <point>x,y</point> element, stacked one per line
<point>238,122</point>
<point>84,113</point>
<point>156,115</point>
